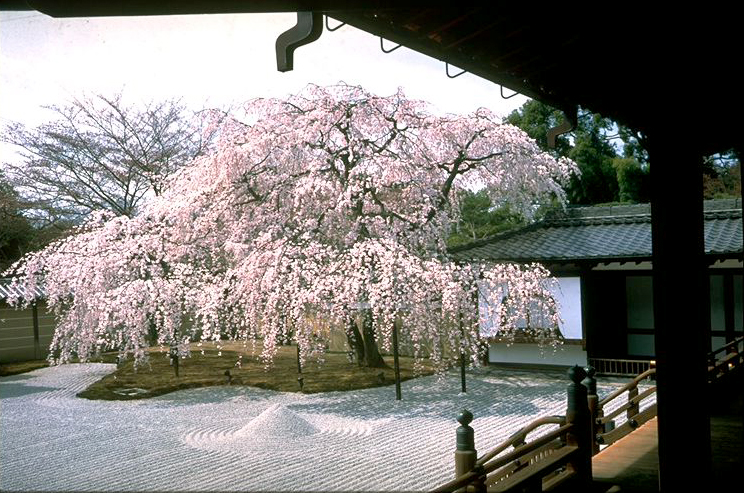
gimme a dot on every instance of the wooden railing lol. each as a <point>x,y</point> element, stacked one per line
<point>561,455</point>
<point>723,360</point>
<point>605,431</point>
<point>613,367</point>
<point>565,453</point>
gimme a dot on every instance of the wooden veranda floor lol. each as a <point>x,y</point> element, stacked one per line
<point>632,463</point>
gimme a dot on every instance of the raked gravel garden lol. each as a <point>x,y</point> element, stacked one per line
<point>233,438</point>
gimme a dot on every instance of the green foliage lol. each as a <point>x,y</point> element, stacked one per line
<point>594,154</point>
<point>607,175</point>
<point>479,219</point>
<point>16,233</point>
<point>536,118</point>
<point>722,176</point>
<point>634,180</point>
<point>633,145</point>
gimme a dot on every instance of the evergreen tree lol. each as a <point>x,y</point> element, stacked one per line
<point>607,174</point>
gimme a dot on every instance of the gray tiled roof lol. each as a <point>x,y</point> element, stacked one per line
<point>603,232</point>
<point>9,290</point>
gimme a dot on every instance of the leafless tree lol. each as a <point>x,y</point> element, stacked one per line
<point>101,154</point>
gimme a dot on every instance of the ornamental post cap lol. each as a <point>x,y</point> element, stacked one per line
<point>576,374</point>
<point>465,417</point>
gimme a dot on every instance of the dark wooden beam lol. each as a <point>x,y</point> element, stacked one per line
<point>679,272</point>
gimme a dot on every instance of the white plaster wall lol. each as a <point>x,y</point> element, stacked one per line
<point>568,296</point>
<point>567,293</point>
<point>565,355</point>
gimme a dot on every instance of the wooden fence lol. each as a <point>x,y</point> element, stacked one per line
<point>564,454</point>
<point>25,334</point>
<point>558,457</point>
<point>619,367</point>
<point>725,359</point>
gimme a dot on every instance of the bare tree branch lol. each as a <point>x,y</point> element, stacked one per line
<point>99,153</point>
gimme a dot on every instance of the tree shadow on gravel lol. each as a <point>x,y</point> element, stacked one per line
<point>11,390</point>
<point>16,378</point>
<point>438,401</point>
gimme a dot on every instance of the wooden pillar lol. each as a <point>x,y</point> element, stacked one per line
<point>300,378</point>
<point>37,345</point>
<point>465,453</point>
<point>740,153</point>
<point>463,386</point>
<point>679,291</point>
<point>593,401</point>
<point>396,362</point>
<point>577,412</point>
<point>633,407</point>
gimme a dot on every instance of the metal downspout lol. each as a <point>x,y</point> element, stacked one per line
<point>309,27</point>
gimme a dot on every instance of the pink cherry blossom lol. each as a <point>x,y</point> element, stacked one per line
<point>306,210</point>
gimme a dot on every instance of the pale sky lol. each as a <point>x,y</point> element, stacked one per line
<point>208,60</point>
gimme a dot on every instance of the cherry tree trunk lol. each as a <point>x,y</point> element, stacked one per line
<point>372,357</point>
<point>354,338</point>
<point>364,344</point>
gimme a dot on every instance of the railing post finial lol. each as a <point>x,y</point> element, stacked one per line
<point>465,454</point>
<point>593,400</point>
<point>465,433</point>
<point>576,402</point>
<point>590,382</point>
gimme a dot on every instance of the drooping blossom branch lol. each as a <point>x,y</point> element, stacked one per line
<point>315,207</point>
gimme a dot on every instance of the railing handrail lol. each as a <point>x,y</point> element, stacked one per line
<point>460,482</point>
<point>513,441</point>
<point>628,386</point>
<point>481,469</point>
<point>527,448</point>
<point>562,453</point>
<point>631,402</point>
<point>735,343</point>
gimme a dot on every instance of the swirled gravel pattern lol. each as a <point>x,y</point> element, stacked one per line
<point>248,439</point>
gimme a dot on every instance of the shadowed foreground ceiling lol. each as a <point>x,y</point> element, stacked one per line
<point>656,70</point>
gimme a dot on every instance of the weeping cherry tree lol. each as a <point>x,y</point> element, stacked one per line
<point>331,204</point>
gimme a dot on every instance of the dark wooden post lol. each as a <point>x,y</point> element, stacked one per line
<point>577,412</point>
<point>396,363</point>
<point>174,359</point>
<point>463,385</point>
<point>593,401</point>
<point>300,378</point>
<point>633,409</point>
<point>679,271</point>
<point>35,315</point>
<point>465,453</point>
